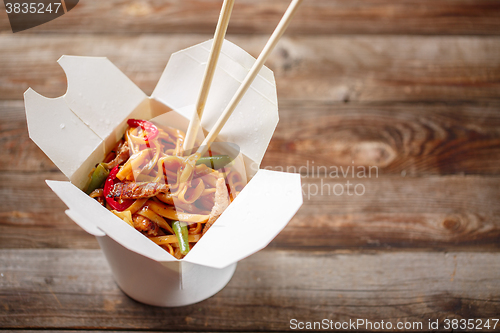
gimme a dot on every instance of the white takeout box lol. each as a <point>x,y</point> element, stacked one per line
<point>78,129</point>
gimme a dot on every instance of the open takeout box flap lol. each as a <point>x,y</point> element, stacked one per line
<point>90,215</point>
<point>77,129</point>
<point>83,223</point>
<point>254,120</point>
<point>99,93</point>
<point>60,133</point>
<point>264,207</point>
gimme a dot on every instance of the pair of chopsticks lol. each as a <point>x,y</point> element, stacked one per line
<point>220,33</point>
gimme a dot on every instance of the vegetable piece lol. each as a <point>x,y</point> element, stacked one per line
<point>148,127</point>
<point>215,162</point>
<point>108,186</point>
<point>98,177</point>
<point>181,231</point>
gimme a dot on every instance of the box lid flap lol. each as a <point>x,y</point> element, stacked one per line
<point>59,132</point>
<point>99,93</point>
<point>70,128</point>
<point>252,220</point>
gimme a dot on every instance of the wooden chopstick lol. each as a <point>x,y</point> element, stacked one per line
<point>213,58</point>
<point>268,48</point>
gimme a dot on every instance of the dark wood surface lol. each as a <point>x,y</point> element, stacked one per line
<point>409,88</point>
<point>267,291</point>
<point>469,17</point>
<point>317,68</point>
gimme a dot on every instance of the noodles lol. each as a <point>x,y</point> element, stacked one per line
<point>154,184</point>
<point>171,213</point>
<point>150,214</point>
<point>137,205</point>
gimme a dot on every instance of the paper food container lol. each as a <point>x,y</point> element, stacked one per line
<point>78,129</point>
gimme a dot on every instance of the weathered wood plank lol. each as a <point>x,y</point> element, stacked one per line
<point>261,16</point>
<point>73,289</point>
<point>431,213</point>
<point>17,152</point>
<point>32,216</point>
<point>326,68</point>
<point>412,139</point>
<point>409,139</point>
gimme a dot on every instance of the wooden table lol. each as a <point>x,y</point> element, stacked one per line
<point>409,88</point>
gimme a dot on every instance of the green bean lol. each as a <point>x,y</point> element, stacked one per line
<point>215,162</point>
<point>181,231</point>
<point>98,177</point>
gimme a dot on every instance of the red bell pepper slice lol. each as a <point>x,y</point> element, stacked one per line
<point>148,127</point>
<point>108,186</point>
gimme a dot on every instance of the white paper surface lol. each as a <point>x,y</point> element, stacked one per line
<point>99,93</point>
<point>59,132</point>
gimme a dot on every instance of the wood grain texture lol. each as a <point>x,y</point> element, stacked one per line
<point>17,152</point>
<point>307,68</point>
<point>413,139</point>
<point>430,213</point>
<point>67,289</point>
<point>480,17</point>
<point>32,216</point>
<point>436,213</point>
<point>407,139</point>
